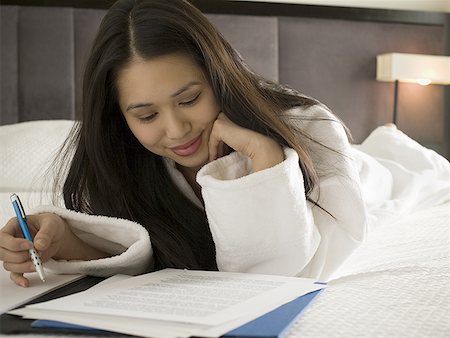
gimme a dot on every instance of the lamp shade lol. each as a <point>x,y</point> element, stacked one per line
<point>413,68</point>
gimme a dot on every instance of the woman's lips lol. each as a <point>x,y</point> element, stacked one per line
<point>188,148</point>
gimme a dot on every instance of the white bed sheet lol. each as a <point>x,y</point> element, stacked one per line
<point>396,285</point>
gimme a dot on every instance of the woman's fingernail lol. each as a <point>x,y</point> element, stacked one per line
<point>41,243</point>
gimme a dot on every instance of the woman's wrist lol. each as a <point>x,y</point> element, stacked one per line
<point>268,155</point>
<point>73,248</point>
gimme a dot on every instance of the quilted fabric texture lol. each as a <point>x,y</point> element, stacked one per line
<point>396,285</point>
<point>26,151</point>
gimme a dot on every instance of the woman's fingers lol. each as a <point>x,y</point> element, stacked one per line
<point>14,252</point>
<point>226,133</point>
<point>11,243</point>
<point>12,228</point>
<point>51,229</point>
<point>48,229</point>
<point>213,147</point>
<point>215,138</point>
<point>24,267</point>
<point>14,257</point>
<point>261,149</point>
<point>19,279</point>
<point>14,249</point>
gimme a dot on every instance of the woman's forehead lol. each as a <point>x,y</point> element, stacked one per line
<point>157,78</point>
<point>169,67</point>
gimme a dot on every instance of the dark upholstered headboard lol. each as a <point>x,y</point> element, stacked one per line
<point>325,52</point>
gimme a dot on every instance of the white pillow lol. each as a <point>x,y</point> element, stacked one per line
<point>26,153</point>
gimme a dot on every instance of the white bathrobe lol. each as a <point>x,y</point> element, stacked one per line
<point>261,222</point>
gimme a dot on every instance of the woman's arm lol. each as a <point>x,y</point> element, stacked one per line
<point>261,222</point>
<point>71,242</point>
<point>125,244</point>
<point>73,248</point>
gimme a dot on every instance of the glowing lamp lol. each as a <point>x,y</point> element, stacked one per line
<point>415,68</point>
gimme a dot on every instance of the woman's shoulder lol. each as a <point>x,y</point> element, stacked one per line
<point>323,135</point>
<point>316,121</point>
<point>314,113</point>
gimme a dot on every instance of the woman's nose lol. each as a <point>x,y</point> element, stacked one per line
<point>176,126</point>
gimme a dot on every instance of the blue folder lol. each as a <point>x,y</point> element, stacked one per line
<point>274,324</point>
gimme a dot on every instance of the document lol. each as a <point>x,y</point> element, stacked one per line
<point>12,295</point>
<point>174,302</point>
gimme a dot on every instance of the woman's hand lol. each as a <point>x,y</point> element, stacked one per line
<point>262,150</point>
<point>48,231</point>
<point>53,238</point>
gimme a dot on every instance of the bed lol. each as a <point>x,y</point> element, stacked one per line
<point>397,283</point>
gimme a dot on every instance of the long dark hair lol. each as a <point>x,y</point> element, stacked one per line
<point>112,174</point>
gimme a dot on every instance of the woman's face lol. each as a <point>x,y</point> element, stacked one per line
<point>170,107</point>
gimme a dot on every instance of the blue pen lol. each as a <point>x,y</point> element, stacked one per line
<point>20,213</point>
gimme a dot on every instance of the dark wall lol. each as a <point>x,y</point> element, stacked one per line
<point>335,61</point>
<point>43,50</point>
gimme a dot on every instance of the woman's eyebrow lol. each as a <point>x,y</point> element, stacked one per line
<point>185,87</point>
<point>138,105</point>
<point>178,92</point>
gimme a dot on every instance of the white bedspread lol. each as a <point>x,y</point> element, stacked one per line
<point>399,175</point>
<point>397,284</point>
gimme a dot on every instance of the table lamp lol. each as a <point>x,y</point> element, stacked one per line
<point>415,68</point>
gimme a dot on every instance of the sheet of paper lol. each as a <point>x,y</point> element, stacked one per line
<point>133,326</point>
<point>12,295</point>
<point>190,302</point>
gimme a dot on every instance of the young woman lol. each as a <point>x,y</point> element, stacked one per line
<point>186,158</point>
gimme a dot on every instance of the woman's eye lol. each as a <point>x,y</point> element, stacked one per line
<point>148,118</point>
<point>191,101</point>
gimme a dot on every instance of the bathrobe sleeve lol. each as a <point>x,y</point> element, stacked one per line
<point>127,242</point>
<point>262,222</point>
